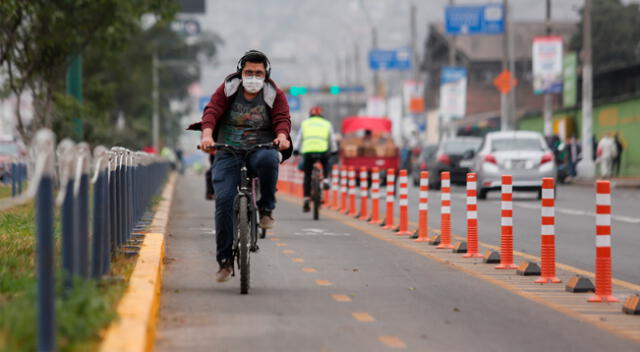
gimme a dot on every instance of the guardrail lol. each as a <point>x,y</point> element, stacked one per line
<point>124,183</point>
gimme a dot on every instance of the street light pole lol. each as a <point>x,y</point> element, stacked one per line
<point>586,168</point>
<point>548,117</point>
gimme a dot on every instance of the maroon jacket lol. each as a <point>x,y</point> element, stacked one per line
<point>221,100</point>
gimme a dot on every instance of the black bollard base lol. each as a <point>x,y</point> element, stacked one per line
<point>461,247</point>
<point>579,284</point>
<point>491,257</point>
<point>632,305</point>
<point>528,269</point>
<point>383,223</point>
<point>414,235</point>
<point>435,240</point>
<point>138,235</point>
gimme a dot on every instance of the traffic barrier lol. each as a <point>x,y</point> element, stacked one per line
<point>423,208</point>
<point>352,192</point>
<point>343,189</point>
<point>389,222</point>
<point>547,234</point>
<point>506,224</point>
<point>335,179</point>
<point>403,228</point>
<point>375,196</point>
<point>364,190</point>
<point>445,211</point>
<point>472,217</point>
<point>604,290</point>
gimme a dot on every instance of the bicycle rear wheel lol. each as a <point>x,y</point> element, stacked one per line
<point>316,197</point>
<point>243,244</point>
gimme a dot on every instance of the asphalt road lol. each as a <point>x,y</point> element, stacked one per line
<point>575,224</point>
<point>327,286</point>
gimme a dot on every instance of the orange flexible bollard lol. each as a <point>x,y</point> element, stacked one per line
<point>472,217</point>
<point>403,229</point>
<point>343,189</point>
<point>547,234</point>
<point>445,211</point>
<point>364,189</point>
<point>506,225</point>
<point>352,192</point>
<point>334,187</point>
<point>604,289</point>
<point>375,196</point>
<point>388,223</point>
<point>300,179</point>
<point>423,208</point>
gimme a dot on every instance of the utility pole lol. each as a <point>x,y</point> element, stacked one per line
<point>376,74</point>
<point>548,114</point>
<point>414,43</point>
<point>155,97</point>
<point>505,122</point>
<point>586,168</point>
<point>452,62</point>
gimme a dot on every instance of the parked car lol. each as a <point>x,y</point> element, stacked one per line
<point>448,156</point>
<point>423,161</point>
<point>8,151</point>
<point>523,154</point>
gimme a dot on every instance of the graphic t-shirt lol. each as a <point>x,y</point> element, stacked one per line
<point>247,122</point>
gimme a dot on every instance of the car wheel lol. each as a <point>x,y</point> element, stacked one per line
<point>482,193</point>
<point>540,193</point>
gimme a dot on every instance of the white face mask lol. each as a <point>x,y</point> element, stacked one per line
<point>252,84</point>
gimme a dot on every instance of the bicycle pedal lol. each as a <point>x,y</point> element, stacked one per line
<point>254,249</point>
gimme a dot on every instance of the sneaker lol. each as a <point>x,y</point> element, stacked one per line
<point>224,273</point>
<point>266,220</point>
<point>305,206</point>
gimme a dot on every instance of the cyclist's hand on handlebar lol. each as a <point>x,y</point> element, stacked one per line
<point>282,142</point>
<point>206,143</point>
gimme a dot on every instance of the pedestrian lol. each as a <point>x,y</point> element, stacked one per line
<point>606,152</point>
<point>574,153</point>
<point>618,158</point>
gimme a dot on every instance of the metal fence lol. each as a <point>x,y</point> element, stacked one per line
<point>94,225</point>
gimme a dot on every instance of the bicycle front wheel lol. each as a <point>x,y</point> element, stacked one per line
<point>243,244</point>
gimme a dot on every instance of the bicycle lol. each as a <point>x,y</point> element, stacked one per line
<point>316,190</point>
<point>245,208</point>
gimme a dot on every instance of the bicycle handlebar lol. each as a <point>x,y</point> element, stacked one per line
<point>237,149</point>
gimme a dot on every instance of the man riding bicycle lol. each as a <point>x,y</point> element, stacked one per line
<point>247,109</point>
<point>316,141</point>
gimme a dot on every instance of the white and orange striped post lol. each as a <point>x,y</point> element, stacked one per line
<point>391,180</point>
<point>506,224</point>
<point>423,208</point>
<point>352,192</point>
<point>548,234</point>
<point>375,196</point>
<point>604,289</point>
<point>334,187</point>
<point>445,211</point>
<point>472,217</point>
<point>289,180</point>
<point>403,229</point>
<point>343,189</point>
<point>364,190</point>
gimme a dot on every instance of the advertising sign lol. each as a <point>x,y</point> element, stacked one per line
<point>453,93</point>
<point>547,64</point>
<point>412,94</point>
<point>570,86</point>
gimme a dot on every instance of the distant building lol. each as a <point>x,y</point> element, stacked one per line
<point>482,56</point>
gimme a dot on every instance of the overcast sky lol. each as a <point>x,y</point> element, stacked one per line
<point>318,33</point>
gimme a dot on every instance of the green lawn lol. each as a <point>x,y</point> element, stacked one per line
<point>5,191</point>
<point>81,316</point>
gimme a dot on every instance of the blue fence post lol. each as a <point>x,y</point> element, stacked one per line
<point>98,243</point>
<point>113,221</point>
<point>66,200</point>
<point>45,242</point>
<point>81,192</point>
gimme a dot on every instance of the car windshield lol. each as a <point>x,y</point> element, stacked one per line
<point>6,148</point>
<point>506,144</point>
<point>460,146</point>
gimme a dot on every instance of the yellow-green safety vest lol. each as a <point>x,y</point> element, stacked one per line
<point>315,135</point>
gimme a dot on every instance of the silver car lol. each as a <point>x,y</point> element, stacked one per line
<point>522,154</point>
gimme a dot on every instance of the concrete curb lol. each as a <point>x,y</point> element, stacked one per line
<point>134,330</point>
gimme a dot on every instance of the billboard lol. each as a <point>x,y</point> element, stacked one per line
<point>453,93</point>
<point>547,64</point>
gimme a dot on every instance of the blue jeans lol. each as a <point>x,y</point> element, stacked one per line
<point>226,177</point>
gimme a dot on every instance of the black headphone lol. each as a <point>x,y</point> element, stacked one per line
<point>262,56</point>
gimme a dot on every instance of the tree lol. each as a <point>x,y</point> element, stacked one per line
<point>39,37</point>
<point>615,34</point>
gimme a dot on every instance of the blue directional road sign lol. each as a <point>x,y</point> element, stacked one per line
<point>202,102</point>
<point>390,59</point>
<point>482,19</point>
<point>294,103</point>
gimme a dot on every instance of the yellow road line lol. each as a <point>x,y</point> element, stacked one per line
<point>281,244</point>
<point>341,298</point>
<point>363,317</point>
<point>274,239</point>
<point>324,283</point>
<point>288,251</point>
<point>309,270</point>
<point>297,260</point>
<point>392,342</point>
